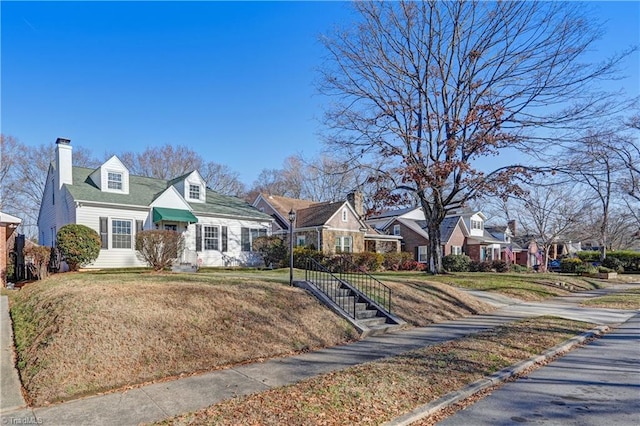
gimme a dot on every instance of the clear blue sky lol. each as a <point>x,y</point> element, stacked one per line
<point>232,80</point>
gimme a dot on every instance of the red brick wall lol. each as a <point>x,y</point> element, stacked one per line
<point>3,255</point>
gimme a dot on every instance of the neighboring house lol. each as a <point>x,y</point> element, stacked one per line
<point>330,227</point>
<point>8,225</point>
<point>461,232</point>
<point>218,230</point>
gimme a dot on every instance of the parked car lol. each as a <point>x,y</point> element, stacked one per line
<point>554,265</point>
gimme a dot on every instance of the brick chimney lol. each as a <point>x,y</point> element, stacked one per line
<point>64,162</point>
<point>512,226</point>
<point>356,200</point>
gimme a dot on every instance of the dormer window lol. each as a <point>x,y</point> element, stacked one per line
<point>114,181</point>
<point>194,192</point>
<point>476,224</point>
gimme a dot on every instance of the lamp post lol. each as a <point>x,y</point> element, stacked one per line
<point>292,218</point>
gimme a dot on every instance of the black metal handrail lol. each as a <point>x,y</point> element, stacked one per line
<point>346,275</point>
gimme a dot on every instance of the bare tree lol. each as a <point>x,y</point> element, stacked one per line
<point>431,87</point>
<point>168,162</point>
<point>163,162</point>
<point>23,181</point>
<point>222,179</point>
<point>595,164</point>
<point>548,213</point>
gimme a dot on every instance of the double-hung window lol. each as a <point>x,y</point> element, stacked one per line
<point>114,180</point>
<point>211,238</point>
<point>456,250</point>
<point>423,254</point>
<point>194,192</point>
<point>121,233</point>
<point>343,245</point>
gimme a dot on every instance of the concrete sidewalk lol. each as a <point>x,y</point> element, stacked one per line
<point>161,400</point>
<point>10,393</point>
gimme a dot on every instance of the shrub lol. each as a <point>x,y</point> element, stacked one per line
<point>273,249</point>
<point>79,245</point>
<point>412,265</point>
<point>301,254</point>
<point>519,268</point>
<point>456,263</point>
<point>499,265</point>
<point>613,263</point>
<point>476,266</point>
<point>585,268</point>
<point>589,256</point>
<point>569,264</point>
<point>394,261</point>
<point>368,261</point>
<point>39,265</point>
<point>605,270</point>
<point>159,248</point>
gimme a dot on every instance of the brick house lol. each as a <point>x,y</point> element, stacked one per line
<point>8,225</point>
<point>330,227</point>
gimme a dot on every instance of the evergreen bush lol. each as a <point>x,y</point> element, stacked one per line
<point>79,245</point>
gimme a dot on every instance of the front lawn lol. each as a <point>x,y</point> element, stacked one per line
<point>88,332</point>
<point>523,286</point>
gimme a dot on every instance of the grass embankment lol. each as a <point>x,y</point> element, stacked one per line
<point>376,392</point>
<point>83,333</point>
<point>623,299</point>
<point>522,286</point>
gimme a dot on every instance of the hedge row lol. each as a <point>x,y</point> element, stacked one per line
<point>463,263</point>
<point>366,261</point>
<point>628,260</point>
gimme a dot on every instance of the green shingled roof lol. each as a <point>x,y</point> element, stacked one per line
<point>143,190</point>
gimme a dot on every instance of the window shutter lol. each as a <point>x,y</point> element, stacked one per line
<point>198,237</point>
<point>139,225</point>
<point>104,233</point>
<point>224,239</point>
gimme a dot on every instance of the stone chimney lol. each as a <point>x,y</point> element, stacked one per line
<point>356,200</point>
<point>64,162</point>
<point>512,226</point>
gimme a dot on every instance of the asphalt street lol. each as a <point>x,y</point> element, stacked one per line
<point>597,384</point>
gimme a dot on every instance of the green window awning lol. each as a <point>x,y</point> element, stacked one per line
<point>173,215</point>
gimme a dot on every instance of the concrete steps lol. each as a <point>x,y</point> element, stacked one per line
<point>368,318</point>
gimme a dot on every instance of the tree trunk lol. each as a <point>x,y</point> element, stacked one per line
<point>434,214</point>
<point>435,248</point>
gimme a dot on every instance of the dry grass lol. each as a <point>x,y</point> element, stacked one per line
<point>421,303</point>
<point>625,299</point>
<point>78,334</point>
<point>379,391</point>
<point>83,333</point>
<point>523,286</point>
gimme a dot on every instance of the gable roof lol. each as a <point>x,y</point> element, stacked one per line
<point>317,214</point>
<point>285,204</point>
<point>143,190</point>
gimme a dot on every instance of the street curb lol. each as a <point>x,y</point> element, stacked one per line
<point>501,376</point>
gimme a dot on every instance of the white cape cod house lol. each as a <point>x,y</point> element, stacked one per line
<point>218,230</point>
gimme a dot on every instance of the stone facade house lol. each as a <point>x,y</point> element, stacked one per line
<point>329,227</point>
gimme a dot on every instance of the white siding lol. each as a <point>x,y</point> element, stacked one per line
<point>47,216</point>
<point>234,254</point>
<point>113,258</point>
<point>171,199</point>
